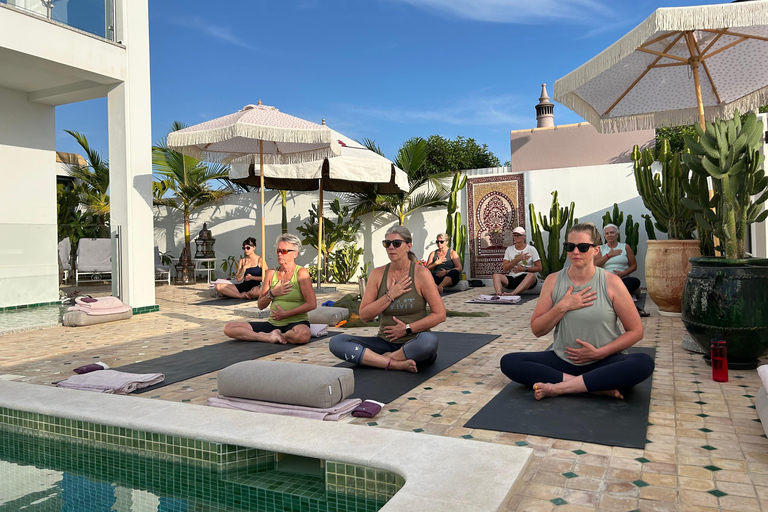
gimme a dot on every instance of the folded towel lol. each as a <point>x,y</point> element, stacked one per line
<point>318,330</point>
<point>111,381</point>
<point>88,368</point>
<point>335,413</point>
<point>101,303</point>
<point>367,409</point>
<point>500,298</point>
<point>103,311</point>
<point>213,284</point>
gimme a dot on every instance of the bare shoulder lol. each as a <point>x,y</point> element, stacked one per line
<point>422,272</point>
<point>303,272</point>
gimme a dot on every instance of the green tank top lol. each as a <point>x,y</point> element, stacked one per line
<point>597,324</point>
<point>408,307</point>
<point>288,301</point>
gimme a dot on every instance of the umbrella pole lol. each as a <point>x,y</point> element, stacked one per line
<point>320,237</point>
<point>261,182</point>
<point>697,84</point>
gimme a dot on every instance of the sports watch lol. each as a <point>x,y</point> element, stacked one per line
<point>408,329</point>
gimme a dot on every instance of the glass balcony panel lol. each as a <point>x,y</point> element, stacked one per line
<point>92,16</point>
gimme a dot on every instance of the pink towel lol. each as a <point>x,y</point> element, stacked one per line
<point>98,312</point>
<point>335,413</point>
<point>101,303</point>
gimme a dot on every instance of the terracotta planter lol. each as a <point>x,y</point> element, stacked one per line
<point>666,266</point>
<point>728,299</point>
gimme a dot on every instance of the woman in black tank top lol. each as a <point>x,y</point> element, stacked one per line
<point>399,293</point>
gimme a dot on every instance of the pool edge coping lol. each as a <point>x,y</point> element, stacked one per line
<point>441,473</point>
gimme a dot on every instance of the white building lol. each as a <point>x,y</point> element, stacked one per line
<point>45,61</point>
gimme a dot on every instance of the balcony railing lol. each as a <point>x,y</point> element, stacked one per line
<point>96,17</point>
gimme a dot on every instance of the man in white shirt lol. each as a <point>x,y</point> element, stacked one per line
<point>521,261</point>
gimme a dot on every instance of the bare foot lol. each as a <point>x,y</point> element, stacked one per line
<point>440,289</point>
<point>409,365</point>
<point>614,393</point>
<point>544,390</point>
<point>277,337</point>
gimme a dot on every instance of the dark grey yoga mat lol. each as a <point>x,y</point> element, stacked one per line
<point>209,358</point>
<point>583,417</point>
<point>224,301</point>
<point>382,386</point>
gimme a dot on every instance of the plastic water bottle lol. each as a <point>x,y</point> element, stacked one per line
<point>719,356</point>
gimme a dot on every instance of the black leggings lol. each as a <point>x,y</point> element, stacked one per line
<point>617,371</point>
<point>454,274</point>
<point>632,283</point>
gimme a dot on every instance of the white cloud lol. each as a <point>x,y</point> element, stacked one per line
<point>219,32</point>
<point>485,111</point>
<point>521,11</point>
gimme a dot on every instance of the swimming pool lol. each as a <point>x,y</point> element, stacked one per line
<point>440,474</point>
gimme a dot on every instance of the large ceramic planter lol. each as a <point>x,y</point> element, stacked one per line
<point>666,265</point>
<point>728,299</point>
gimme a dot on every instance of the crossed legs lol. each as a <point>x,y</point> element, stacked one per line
<point>297,333</point>
<point>519,283</point>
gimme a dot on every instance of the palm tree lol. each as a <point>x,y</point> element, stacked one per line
<point>94,190</point>
<point>188,179</point>
<point>424,191</point>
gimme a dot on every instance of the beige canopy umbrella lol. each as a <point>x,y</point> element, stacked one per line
<point>256,133</point>
<point>357,169</point>
<point>680,66</point>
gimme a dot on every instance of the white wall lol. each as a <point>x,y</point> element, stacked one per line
<point>28,253</point>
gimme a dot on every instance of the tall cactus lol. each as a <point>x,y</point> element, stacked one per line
<point>632,230</point>
<point>453,226</point>
<point>649,227</point>
<point>662,193</point>
<point>553,255</point>
<point>616,219</point>
<point>728,153</point>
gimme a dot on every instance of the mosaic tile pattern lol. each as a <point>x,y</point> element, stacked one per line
<point>679,473</point>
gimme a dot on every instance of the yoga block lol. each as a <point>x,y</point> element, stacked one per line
<point>327,315</point>
<point>287,383</point>
<point>80,318</point>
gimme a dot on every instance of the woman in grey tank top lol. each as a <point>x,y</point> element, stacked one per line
<point>583,304</point>
<point>398,293</point>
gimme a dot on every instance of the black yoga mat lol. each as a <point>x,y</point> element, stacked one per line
<point>583,417</point>
<point>382,386</point>
<point>210,358</point>
<point>225,301</point>
<point>523,300</point>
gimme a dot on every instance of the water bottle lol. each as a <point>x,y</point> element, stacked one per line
<point>719,356</point>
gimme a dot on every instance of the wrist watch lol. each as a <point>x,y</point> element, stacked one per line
<point>408,329</point>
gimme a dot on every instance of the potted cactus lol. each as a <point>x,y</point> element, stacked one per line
<point>666,261</point>
<point>727,297</point>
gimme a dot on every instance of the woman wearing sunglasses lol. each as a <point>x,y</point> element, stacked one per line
<point>289,294</point>
<point>250,270</point>
<point>398,293</point>
<point>444,263</point>
<point>583,304</point>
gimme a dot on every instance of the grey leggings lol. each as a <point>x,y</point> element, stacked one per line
<point>422,348</point>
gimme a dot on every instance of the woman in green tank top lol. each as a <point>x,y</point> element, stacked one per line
<point>289,293</point>
<point>399,293</point>
<point>583,304</point>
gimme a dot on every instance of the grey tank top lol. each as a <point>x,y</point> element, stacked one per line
<point>408,307</point>
<point>448,265</point>
<point>597,324</point>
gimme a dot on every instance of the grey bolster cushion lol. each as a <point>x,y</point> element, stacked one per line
<point>327,315</point>
<point>287,383</point>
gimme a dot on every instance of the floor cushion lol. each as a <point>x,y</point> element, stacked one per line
<point>80,318</point>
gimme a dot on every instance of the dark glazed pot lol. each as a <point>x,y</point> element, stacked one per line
<point>728,299</point>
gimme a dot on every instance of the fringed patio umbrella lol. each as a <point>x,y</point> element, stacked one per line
<point>679,66</point>
<point>256,133</point>
<point>357,169</point>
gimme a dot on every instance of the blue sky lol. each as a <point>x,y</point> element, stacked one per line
<point>387,70</point>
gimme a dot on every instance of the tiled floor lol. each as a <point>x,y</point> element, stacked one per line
<point>705,451</point>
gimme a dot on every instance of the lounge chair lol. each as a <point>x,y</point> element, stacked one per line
<point>161,269</point>
<point>94,258</point>
<point>65,254</point>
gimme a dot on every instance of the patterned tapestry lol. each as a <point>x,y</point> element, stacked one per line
<point>496,205</point>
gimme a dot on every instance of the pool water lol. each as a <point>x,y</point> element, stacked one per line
<point>47,474</point>
<point>29,318</point>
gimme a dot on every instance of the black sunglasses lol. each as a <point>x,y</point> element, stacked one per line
<point>570,246</point>
<point>396,243</point>
<point>437,242</point>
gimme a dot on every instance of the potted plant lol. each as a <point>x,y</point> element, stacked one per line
<point>666,261</point>
<point>726,297</point>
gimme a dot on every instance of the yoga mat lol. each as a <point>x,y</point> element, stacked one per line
<point>523,300</point>
<point>224,301</point>
<point>210,358</point>
<point>583,417</point>
<point>382,386</point>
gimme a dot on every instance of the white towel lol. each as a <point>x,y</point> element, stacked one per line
<point>318,330</point>
<point>111,381</point>
<point>514,299</point>
<point>335,413</point>
<point>213,284</point>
